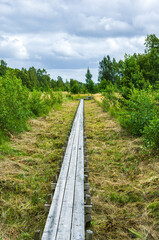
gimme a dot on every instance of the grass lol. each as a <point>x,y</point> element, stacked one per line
<point>27,165</point>
<point>123,177</point>
<point>124,180</point>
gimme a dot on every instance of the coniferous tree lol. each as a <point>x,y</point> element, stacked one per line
<point>89,82</point>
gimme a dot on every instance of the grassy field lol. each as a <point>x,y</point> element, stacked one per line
<point>124,180</point>
<point>27,165</point>
<point>123,177</point>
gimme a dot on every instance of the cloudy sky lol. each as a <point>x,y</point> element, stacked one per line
<point>66,37</point>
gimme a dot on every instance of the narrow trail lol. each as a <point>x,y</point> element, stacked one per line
<point>124,181</point>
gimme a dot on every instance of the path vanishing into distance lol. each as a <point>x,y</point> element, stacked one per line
<point>123,178</point>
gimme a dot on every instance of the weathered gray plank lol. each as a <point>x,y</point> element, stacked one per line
<point>78,221</point>
<point>51,226</point>
<point>66,216</point>
<point>65,222</point>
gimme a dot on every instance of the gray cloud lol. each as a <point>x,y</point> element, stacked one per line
<point>73,34</point>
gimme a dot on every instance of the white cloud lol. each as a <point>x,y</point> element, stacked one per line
<point>149,23</point>
<point>111,24</point>
<point>13,46</point>
<point>73,34</point>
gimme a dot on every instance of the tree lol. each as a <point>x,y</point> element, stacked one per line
<point>23,74</point>
<point>3,67</point>
<point>60,83</point>
<point>151,42</point>
<point>88,76</point>
<point>33,77</point>
<point>132,75</point>
<point>106,70</point>
<point>44,80</point>
<point>149,65</point>
<point>75,87</point>
<point>89,82</point>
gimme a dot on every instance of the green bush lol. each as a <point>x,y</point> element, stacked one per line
<point>58,97</point>
<point>140,110</point>
<point>17,104</point>
<point>37,104</point>
<point>126,92</point>
<point>13,104</point>
<point>41,103</point>
<point>110,101</point>
<point>151,133</point>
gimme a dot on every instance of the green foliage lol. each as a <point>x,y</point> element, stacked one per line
<point>3,67</point>
<point>89,82</point>
<point>36,104</point>
<point>74,86</point>
<point>60,84</point>
<point>135,233</point>
<point>140,110</point>
<point>17,104</point>
<point>154,208</point>
<point>149,66</point>
<point>132,76</point>
<point>151,42</point>
<point>123,198</point>
<point>106,69</point>
<point>139,114</point>
<point>110,101</point>
<point>25,236</point>
<point>88,76</point>
<point>14,103</point>
<point>136,71</point>
<point>151,133</point>
<point>125,92</point>
<point>41,103</point>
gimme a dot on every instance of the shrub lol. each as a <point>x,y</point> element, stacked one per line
<point>139,111</point>
<point>151,133</point>
<point>13,103</point>
<point>36,103</point>
<point>17,104</point>
<point>41,103</point>
<point>58,97</point>
<point>110,101</point>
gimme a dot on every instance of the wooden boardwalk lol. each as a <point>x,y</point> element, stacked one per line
<point>65,220</point>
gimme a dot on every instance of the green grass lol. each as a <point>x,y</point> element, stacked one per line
<point>123,179</point>
<point>27,165</point>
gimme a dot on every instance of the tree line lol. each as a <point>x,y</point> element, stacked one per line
<point>130,90</point>
<point>40,80</point>
<point>136,71</point>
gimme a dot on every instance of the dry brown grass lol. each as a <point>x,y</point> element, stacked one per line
<point>124,180</point>
<point>27,165</point>
<point>98,97</point>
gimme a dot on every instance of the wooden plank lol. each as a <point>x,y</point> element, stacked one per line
<point>52,222</point>
<point>65,223</point>
<point>66,216</point>
<point>78,222</point>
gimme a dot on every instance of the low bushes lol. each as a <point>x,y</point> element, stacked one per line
<point>138,114</point>
<point>151,133</point>
<point>17,104</point>
<point>41,103</point>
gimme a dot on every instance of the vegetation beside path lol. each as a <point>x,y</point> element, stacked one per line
<point>27,165</point>
<point>124,180</point>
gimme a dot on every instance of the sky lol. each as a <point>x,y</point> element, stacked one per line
<point>67,37</point>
